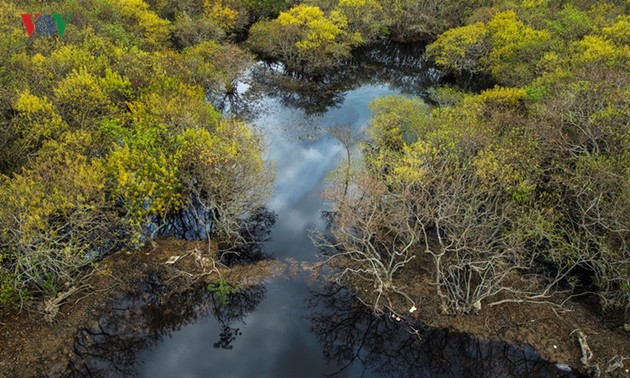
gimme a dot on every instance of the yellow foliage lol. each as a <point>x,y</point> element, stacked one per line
<point>101,129</point>
<point>68,57</point>
<point>416,162</point>
<point>179,107</point>
<point>460,49</point>
<point>305,37</point>
<point>593,49</point>
<point>359,3</point>
<point>60,181</point>
<point>300,15</point>
<point>603,12</point>
<point>154,30</point>
<point>54,214</point>
<point>223,15</point>
<point>619,32</point>
<point>503,96</point>
<point>516,49</point>
<point>38,117</point>
<point>200,146</point>
<point>319,28</point>
<point>115,84</point>
<point>81,99</point>
<point>534,4</point>
<point>147,183</point>
<point>509,34</point>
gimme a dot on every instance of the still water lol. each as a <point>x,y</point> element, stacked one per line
<point>298,327</point>
<point>275,340</point>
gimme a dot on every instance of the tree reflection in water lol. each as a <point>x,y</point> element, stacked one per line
<point>353,337</point>
<point>136,321</point>
<point>402,67</point>
<point>254,233</point>
<point>142,317</point>
<point>239,306</point>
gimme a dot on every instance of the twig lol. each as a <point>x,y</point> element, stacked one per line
<point>96,291</point>
<point>587,355</point>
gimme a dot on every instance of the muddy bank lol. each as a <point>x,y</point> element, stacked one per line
<point>135,300</point>
<point>550,329</point>
<point>392,347</point>
<point>128,302</point>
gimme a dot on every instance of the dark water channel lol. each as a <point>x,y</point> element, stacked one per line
<point>294,327</point>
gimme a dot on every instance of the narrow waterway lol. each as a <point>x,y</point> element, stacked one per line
<point>304,328</point>
<point>294,325</point>
<point>275,340</point>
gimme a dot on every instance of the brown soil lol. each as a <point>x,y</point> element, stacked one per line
<point>552,331</point>
<point>30,346</point>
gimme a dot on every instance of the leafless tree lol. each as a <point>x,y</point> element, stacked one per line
<point>372,236</point>
<point>473,237</point>
<point>348,138</point>
<point>477,247</point>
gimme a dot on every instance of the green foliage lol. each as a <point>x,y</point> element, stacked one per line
<point>446,95</point>
<point>216,67</point>
<point>539,165</point>
<point>570,24</point>
<point>189,32</point>
<point>397,120</point>
<point>222,290</point>
<point>364,17</point>
<point>8,293</point>
<point>262,9</point>
<point>424,19</point>
<point>103,130</point>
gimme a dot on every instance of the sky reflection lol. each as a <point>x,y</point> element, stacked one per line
<point>303,154</point>
<point>275,339</point>
<point>291,334</point>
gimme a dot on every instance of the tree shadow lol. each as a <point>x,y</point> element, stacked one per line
<point>402,67</point>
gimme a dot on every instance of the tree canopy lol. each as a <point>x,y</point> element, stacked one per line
<point>529,178</point>
<point>107,134</point>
